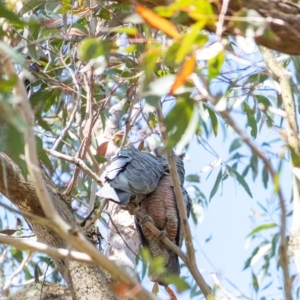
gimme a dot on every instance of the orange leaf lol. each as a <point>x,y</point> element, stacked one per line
<point>8,231</point>
<point>141,145</point>
<point>186,70</point>
<point>155,288</point>
<point>157,22</point>
<point>101,150</point>
<point>120,289</point>
<point>171,293</point>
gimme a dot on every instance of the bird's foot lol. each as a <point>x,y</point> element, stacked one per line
<point>162,235</point>
<point>145,219</point>
<point>133,208</point>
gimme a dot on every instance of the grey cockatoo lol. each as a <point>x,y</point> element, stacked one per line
<point>145,179</point>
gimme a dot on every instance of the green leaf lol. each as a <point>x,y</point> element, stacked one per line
<point>255,282</point>
<point>215,64</point>
<point>8,15</point>
<point>152,100</point>
<point>247,263</point>
<point>15,147</point>
<point>42,153</point>
<point>104,14</point>
<point>192,178</point>
<point>17,254</point>
<point>80,27</point>
<point>276,182</point>
<point>42,123</point>
<point>91,48</point>
<point>265,176</point>
<point>260,77</point>
<point>188,41</point>
<point>251,119</point>
<point>213,119</point>
<point>254,166</point>
<point>237,143</point>
<point>263,100</point>
<point>171,54</point>
<point>50,100</point>
<point>30,5</point>
<point>179,282</point>
<point>6,85</point>
<point>11,52</point>
<point>246,170</point>
<point>156,266</point>
<point>177,121</point>
<point>100,159</point>
<point>127,30</point>
<point>242,182</point>
<point>216,185</point>
<point>149,63</point>
<point>262,227</point>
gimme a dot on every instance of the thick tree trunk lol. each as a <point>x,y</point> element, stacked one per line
<point>287,33</point>
<point>87,282</point>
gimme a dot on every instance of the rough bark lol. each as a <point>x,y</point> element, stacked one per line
<point>39,291</point>
<point>122,231</point>
<point>295,227</point>
<point>288,34</point>
<point>88,282</point>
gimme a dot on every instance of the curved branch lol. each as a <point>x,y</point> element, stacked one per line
<point>283,241</point>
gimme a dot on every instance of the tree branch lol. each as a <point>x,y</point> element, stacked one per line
<point>191,259</point>
<point>78,162</point>
<point>284,79</point>
<point>283,241</point>
<point>56,253</point>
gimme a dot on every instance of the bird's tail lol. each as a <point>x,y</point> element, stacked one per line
<point>173,268</point>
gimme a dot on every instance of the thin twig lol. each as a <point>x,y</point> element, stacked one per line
<point>87,129</point>
<point>127,124</point>
<point>191,259</point>
<point>17,271</point>
<point>64,131</point>
<point>121,235</point>
<point>96,216</point>
<point>30,281</point>
<point>78,162</point>
<point>221,20</point>
<point>221,287</point>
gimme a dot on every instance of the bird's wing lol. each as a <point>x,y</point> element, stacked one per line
<point>117,165</point>
<point>131,173</point>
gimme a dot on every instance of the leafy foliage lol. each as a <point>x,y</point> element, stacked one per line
<point>86,59</point>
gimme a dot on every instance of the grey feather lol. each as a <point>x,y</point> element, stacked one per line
<point>131,174</point>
